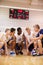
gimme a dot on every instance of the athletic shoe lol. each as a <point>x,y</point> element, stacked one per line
<point>39,54</point>
<point>33,53</point>
<point>1,51</point>
<point>12,53</point>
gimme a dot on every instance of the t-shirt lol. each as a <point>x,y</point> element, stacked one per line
<point>18,38</point>
<point>40,32</point>
<point>29,36</point>
<point>4,38</point>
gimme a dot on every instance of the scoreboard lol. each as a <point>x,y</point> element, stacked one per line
<point>18,14</point>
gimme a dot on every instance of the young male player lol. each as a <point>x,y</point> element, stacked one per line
<point>12,40</point>
<point>5,37</point>
<point>19,43</point>
<point>39,38</point>
<point>30,43</point>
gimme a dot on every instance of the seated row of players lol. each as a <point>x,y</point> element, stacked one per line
<point>30,41</point>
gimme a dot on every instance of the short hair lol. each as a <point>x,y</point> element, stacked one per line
<point>12,29</point>
<point>37,26</point>
<point>19,29</point>
<point>7,30</point>
<point>27,28</point>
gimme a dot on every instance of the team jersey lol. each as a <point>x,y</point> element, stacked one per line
<point>19,38</point>
<point>40,32</point>
<point>28,37</point>
<point>4,38</point>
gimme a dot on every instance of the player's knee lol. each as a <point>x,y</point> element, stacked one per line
<point>39,43</point>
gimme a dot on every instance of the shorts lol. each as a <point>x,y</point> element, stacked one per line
<point>31,47</point>
<point>3,47</point>
<point>18,47</point>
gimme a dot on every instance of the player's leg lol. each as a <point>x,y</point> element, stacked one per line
<point>35,45</point>
<point>6,49</point>
<point>3,48</point>
<point>21,48</point>
<point>40,46</point>
<point>30,48</point>
<point>17,48</point>
<point>12,45</point>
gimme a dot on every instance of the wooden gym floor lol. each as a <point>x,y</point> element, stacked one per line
<point>21,60</point>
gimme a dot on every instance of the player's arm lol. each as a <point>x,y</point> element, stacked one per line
<point>37,38</point>
<point>27,43</point>
<point>23,37</point>
<point>14,39</point>
<point>6,49</point>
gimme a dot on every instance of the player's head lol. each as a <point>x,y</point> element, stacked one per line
<point>12,31</point>
<point>7,31</point>
<point>36,28</point>
<point>19,30</point>
<point>28,30</point>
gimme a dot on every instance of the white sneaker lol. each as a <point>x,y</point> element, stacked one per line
<point>12,53</point>
<point>33,53</point>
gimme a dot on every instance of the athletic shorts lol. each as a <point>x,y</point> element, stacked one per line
<point>31,47</point>
<point>3,47</point>
<point>18,47</point>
